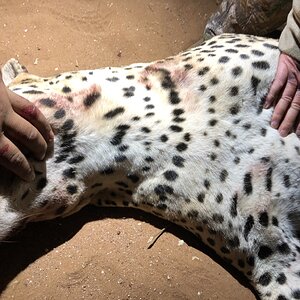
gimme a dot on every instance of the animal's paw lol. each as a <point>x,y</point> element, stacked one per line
<point>11,70</point>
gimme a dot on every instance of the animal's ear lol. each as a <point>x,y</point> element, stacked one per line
<point>11,70</point>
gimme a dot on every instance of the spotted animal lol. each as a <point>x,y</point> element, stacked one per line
<point>185,138</point>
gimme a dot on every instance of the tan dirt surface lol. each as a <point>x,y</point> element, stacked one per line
<point>102,253</point>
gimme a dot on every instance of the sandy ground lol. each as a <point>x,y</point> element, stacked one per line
<point>102,254</point>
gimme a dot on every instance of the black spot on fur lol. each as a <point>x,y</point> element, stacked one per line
<point>257,52</point>
<point>223,175</point>
<point>203,71</point>
<point>178,161</point>
<point>187,137</point>
<point>69,173</point>
<point>72,189</point>
<point>212,99</point>
<point>233,207</point>
<point>33,92</point>
<point>231,50</point>
<point>265,279</point>
<point>113,113</point>
<point>254,84</point>
<point>175,128</point>
<point>281,279</point>
<point>149,106</point>
<point>212,122</point>
<point>161,191</point>
<point>174,98</point>
<point>264,252</point>
<point>214,81</point>
<point>164,138</point>
<point>202,87</point>
<point>47,102</point>
<point>129,92</point>
<point>76,159</point>
<point>170,175</point>
<point>251,261</point>
<point>149,159</point>
<point>270,46</point>
<point>206,184</point>
<point>60,158</point>
<point>286,181</point>
<point>261,65</point>
<point>234,243</point>
<point>248,226</point>
<point>284,248</point>
<point>178,111</point>
<point>120,158</point>
<point>269,179</point>
<point>112,79</point>
<point>234,91</point>
<point>91,99</point>
<point>107,171</point>
<point>241,46</point>
<point>244,56</point>
<point>188,67</point>
<point>217,143</point>
<point>59,114</point>
<point>296,294</point>
<point>66,89</point>
<point>201,197</point>
<point>248,183</point>
<point>275,221</point>
<point>134,178</point>
<point>236,71</point>
<point>181,147</point>
<point>264,219</point>
<point>281,297</point>
<point>263,131</point>
<point>68,125</point>
<point>224,59</point>
<point>235,109</point>
<point>145,130</point>
<point>219,198</point>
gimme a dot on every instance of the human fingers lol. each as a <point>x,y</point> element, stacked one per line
<point>24,133</point>
<point>32,114</point>
<point>284,103</point>
<point>291,117</point>
<point>12,159</point>
<point>278,84</point>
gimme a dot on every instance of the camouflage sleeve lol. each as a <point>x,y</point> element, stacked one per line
<point>289,41</point>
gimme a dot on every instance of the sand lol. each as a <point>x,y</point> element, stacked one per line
<point>102,253</point>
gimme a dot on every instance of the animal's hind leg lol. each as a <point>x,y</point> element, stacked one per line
<point>11,69</point>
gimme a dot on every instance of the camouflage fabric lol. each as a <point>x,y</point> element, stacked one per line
<point>289,41</point>
<point>258,17</point>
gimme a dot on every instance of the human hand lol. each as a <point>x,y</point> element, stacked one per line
<point>22,126</point>
<point>285,95</point>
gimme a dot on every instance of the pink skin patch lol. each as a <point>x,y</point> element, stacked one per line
<point>177,75</point>
<point>63,101</point>
<point>4,150</point>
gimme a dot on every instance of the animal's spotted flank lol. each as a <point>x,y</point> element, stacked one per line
<point>186,139</point>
